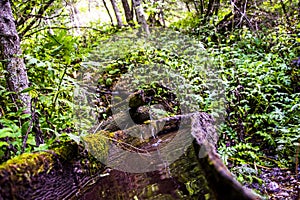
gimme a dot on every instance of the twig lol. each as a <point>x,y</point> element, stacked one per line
<point>243,15</point>
<point>40,12</point>
<point>126,144</point>
<point>28,130</point>
<point>50,17</point>
<point>248,163</point>
<point>63,28</point>
<point>275,161</point>
<point>59,86</point>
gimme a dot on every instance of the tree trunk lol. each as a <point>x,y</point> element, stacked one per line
<point>128,14</point>
<point>217,6</point>
<point>74,18</point>
<point>187,6</point>
<point>110,17</point>
<point>298,9</point>
<point>162,15</point>
<point>16,76</point>
<point>140,15</point>
<point>156,18</point>
<point>132,9</point>
<point>117,13</point>
<point>196,7</point>
<point>210,9</point>
<point>201,7</point>
<point>285,12</point>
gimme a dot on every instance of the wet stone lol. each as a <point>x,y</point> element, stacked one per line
<point>273,187</point>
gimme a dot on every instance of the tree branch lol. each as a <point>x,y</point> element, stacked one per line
<point>40,12</point>
<point>63,28</point>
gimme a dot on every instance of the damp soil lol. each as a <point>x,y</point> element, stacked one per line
<point>278,184</point>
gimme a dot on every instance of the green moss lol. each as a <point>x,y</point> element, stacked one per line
<point>97,144</point>
<point>25,166</point>
<point>67,150</point>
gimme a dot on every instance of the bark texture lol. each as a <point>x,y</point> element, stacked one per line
<point>16,76</point>
<point>55,174</point>
<point>107,10</point>
<point>128,13</point>
<point>141,15</point>
<point>117,13</point>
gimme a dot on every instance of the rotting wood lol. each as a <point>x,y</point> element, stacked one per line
<point>55,174</point>
<point>72,175</point>
<point>221,183</point>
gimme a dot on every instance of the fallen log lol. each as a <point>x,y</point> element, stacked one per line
<point>70,173</point>
<point>216,180</point>
<point>55,174</point>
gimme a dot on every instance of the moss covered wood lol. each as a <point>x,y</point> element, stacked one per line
<point>69,172</point>
<point>56,174</point>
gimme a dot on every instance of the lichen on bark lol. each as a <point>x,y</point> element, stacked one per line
<point>11,57</point>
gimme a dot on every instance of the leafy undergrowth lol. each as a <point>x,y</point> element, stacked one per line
<point>260,83</point>
<point>262,125</point>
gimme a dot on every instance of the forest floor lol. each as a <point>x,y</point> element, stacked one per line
<point>278,184</point>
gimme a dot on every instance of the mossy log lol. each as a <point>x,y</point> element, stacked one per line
<point>55,174</point>
<point>69,172</point>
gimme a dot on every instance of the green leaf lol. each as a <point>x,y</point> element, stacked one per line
<point>31,140</point>
<point>25,116</point>
<point>6,132</point>
<point>3,144</point>
<point>25,127</point>
<point>109,81</point>
<point>114,71</point>
<point>32,61</point>
<point>27,89</point>
<point>42,147</point>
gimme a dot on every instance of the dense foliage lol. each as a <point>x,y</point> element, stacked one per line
<point>261,82</point>
<point>262,91</point>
